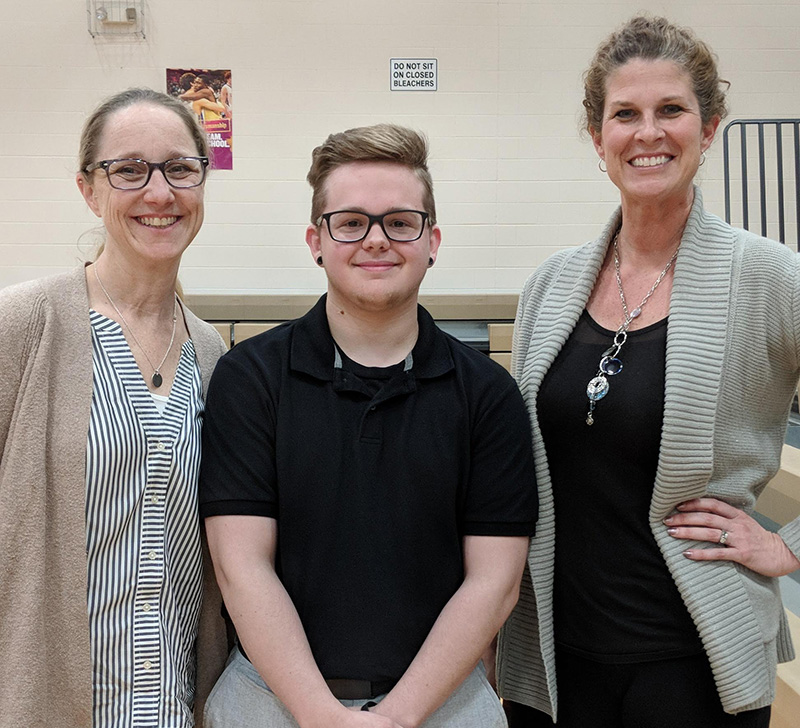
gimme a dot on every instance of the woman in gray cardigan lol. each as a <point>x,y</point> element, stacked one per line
<point>659,363</point>
<point>102,374</point>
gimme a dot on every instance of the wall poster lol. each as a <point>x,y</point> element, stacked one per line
<point>209,93</point>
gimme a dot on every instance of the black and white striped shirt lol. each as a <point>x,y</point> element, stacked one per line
<point>142,538</point>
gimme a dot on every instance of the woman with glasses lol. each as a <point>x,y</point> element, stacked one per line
<point>102,374</point>
<point>659,363</point>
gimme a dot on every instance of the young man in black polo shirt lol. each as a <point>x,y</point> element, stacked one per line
<point>367,480</point>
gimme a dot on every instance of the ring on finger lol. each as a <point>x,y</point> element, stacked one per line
<point>723,537</point>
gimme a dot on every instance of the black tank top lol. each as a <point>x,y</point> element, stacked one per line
<point>615,600</point>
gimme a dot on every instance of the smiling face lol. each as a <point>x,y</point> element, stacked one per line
<point>375,274</point>
<point>652,134</point>
<point>156,223</point>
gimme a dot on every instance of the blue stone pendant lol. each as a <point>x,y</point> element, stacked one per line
<point>610,366</point>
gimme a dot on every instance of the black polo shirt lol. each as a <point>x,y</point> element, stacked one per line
<point>374,477</point>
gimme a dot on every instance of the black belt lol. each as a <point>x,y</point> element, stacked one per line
<point>345,689</point>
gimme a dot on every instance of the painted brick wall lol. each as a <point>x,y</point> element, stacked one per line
<point>514,179</point>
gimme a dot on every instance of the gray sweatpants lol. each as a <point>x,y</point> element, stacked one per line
<point>240,699</point>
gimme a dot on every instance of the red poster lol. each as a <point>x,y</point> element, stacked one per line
<point>209,93</point>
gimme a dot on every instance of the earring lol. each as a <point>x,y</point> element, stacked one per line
<point>319,261</point>
<point>601,167</point>
<point>702,159</point>
<point>430,262</point>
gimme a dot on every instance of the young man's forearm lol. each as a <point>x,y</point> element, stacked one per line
<point>269,627</point>
<point>466,625</point>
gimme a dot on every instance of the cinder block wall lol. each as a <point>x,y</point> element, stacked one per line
<point>514,180</point>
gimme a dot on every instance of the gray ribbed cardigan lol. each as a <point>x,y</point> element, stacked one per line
<point>45,404</point>
<point>732,365</point>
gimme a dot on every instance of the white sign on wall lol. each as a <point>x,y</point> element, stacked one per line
<point>413,74</point>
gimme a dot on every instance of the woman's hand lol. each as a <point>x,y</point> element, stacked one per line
<point>739,537</point>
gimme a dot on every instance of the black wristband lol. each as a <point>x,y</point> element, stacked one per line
<point>369,704</point>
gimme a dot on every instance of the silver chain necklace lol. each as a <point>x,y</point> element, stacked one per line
<point>610,365</point>
<point>156,379</point>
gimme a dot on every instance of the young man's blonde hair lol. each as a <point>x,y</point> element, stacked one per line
<point>378,143</point>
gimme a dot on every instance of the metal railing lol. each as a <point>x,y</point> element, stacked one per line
<point>777,182</point>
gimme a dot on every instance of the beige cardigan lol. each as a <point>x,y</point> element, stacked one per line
<point>45,403</point>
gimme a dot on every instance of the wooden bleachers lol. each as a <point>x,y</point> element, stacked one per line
<point>500,336</point>
<point>238,317</point>
<point>224,330</point>
<point>780,502</point>
<point>786,708</point>
<point>236,333</point>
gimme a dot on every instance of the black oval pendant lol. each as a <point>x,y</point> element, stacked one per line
<point>157,380</point>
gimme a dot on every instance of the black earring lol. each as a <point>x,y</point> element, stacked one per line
<point>430,262</point>
<point>319,261</point>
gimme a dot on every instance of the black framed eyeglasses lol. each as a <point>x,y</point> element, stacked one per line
<point>133,174</point>
<point>352,226</point>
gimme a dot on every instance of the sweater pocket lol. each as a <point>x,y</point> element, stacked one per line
<point>765,599</point>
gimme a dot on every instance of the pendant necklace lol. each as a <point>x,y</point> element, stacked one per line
<point>610,365</point>
<point>156,379</point>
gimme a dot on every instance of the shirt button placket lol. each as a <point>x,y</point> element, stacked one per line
<point>150,574</point>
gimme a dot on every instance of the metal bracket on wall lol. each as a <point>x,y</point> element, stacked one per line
<point>115,18</point>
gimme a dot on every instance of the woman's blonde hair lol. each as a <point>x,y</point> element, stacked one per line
<point>96,123</point>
